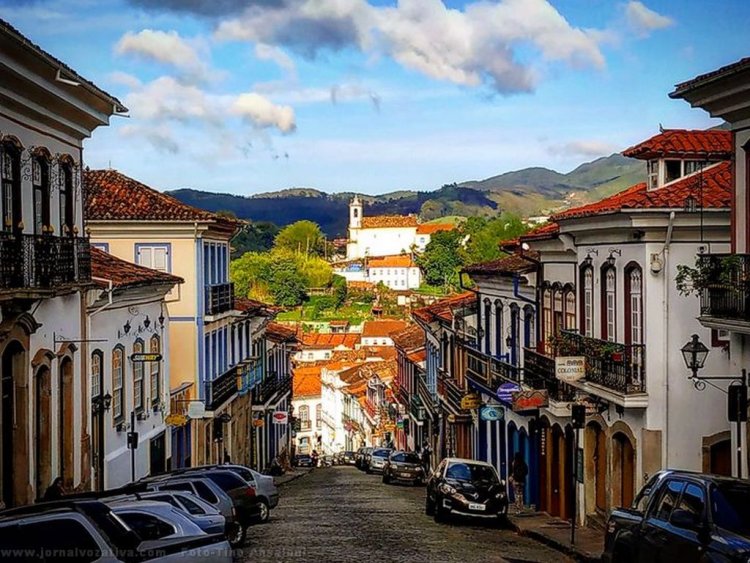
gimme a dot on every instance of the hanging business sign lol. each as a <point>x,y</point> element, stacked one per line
<point>530,400</point>
<point>491,413</point>
<point>259,423</point>
<point>280,417</point>
<point>175,419</point>
<point>506,390</point>
<point>145,357</point>
<point>471,401</point>
<point>570,368</point>
<point>196,409</point>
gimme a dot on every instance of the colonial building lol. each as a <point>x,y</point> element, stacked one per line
<point>319,346</point>
<point>128,325</point>
<point>378,333</point>
<point>218,351</point>
<point>46,111</point>
<point>724,306</point>
<point>399,273</point>
<point>380,235</point>
<point>410,379</point>
<point>306,402</point>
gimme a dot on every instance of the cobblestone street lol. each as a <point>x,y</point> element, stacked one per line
<point>342,514</point>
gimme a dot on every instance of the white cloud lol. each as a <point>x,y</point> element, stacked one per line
<point>470,47</point>
<point>263,113</point>
<point>274,54</point>
<point>119,77</point>
<point>644,20</point>
<point>166,47</point>
<point>590,148</point>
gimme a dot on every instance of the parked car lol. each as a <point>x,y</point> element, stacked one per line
<point>89,530</point>
<point>210,492</point>
<point>303,460</point>
<point>465,487</point>
<point>366,459</point>
<point>208,518</point>
<point>377,460</point>
<point>403,466</point>
<point>361,457</point>
<point>347,458</point>
<point>154,520</point>
<point>682,516</point>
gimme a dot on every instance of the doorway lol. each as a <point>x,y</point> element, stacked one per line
<point>66,422</point>
<point>43,429</point>
<point>14,464</point>
<point>623,470</point>
<point>157,455</point>
<point>721,458</point>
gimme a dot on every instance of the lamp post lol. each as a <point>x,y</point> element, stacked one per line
<point>695,353</point>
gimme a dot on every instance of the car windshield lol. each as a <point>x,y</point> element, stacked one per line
<point>471,472</point>
<point>381,453</point>
<point>405,457</point>
<point>730,507</point>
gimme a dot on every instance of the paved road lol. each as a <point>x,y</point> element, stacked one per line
<point>339,514</point>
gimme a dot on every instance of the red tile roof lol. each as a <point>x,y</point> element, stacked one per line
<point>703,79</point>
<point>542,232</point>
<point>330,340</point>
<point>417,357</point>
<point>277,332</point>
<point>251,306</point>
<point>411,338</point>
<point>513,264</point>
<point>389,221</point>
<point>683,143</point>
<point>382,328</point>
<point>716,190</point>
<point>396,261</point>
<point>126,274</point>
<point>109,195</point>
<point>443,309</point>
<point>338,323</point>
<point>431,228</point>
<point>306,382</point>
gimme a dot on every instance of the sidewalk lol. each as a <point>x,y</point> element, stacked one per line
<point>295,473</point>
<point>555,533</point>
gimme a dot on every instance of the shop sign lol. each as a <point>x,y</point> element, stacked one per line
<point>400,424</point>
<point>196,409</point>
<point>570,368</point>
<point>176,419</point>
<point>145,357</point>
<point>259,423</point>
<point>491,413</point>
<point>471,401</point>
<point>505,392</point>
<point>530,400</point>
<point>280,417</point>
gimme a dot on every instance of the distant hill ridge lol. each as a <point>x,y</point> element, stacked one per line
<point>528,191</point>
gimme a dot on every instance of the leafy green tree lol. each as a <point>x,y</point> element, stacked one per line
<point>287,288</point>
<point>314,271</point>
<point>255,237</point>
<point>303,237</point>
<point>340,290</point>
<point>485,235</point>
<point>442,258</point>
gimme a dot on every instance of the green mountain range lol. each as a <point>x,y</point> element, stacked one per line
<point>531,191</point>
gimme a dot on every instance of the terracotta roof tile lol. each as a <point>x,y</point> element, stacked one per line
<point>330,340</point>
<point>109,195</point>
<point>251,306</point>
<point>411,338</point>
<point>513,264</point>
<point>389,221</point>
<point>338,323</point>
<point>306,381</point>
<point>396,261</point>
<point>124,273</point>
<point>382,328</point>
<point>685,143</point>
<point>381,352</point>
<point>277,332</point>
<point>417,357</point>
<point>431,228</point>
<point>443,309</point>
<point>717,194</point>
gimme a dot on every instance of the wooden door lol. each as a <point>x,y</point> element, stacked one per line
<point>721,458</point>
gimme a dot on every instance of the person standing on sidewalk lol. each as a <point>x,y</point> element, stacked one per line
<point>519,471</point>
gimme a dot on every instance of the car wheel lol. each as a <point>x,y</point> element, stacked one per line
<point>265,511</point>
<point>429,507</point>
<point>439,515</point>
<point>236,534</point>
<point>386,479</point>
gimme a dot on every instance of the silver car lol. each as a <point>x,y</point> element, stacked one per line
<point>199,511</point>
<point>377,459</point>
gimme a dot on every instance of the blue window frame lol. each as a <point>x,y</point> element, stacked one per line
<point>207,357</point>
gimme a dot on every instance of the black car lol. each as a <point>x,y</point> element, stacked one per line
<point>363,458</point>
<point>682,516</point>
<point>405,467</point>
<point>466,487</point>
<point>303,460</point>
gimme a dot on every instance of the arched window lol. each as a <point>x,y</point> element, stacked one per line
<point>498,327</point>
<point>514,334</point>
<point>609,304</point>
<point>10,187</point>
<point>587,301</point>
<point>118,378</point>
<point>487,326</point>
<point>547,314</point>
<point>138,377</point>
<point>559,319</point>
<point>634,304</point>
<point>66,198</point>
<point>97,362</point>
<point>529,328</point>
<point>318,416</point>
<point>40,180</point>
<point>155,348</point>
<point>570,309</point>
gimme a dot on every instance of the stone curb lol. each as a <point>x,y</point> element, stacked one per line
<point>570,550</point>
<point>291,479</point>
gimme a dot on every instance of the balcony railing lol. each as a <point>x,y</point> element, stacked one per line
<point>490,371</point>
<point>221,389</point>
<point>370,409</point>
<point>423,391</point>
<point>219,298</point>
<point>539,373</point>
<point>620,367</point>
<point>450,391</point>
<point>43,262</point>
<point>270,387</point>
<point>725,286</point>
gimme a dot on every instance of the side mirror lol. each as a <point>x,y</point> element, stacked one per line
<point>685,519</point>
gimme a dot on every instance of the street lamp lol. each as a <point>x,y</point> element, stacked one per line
<point>695,353</point>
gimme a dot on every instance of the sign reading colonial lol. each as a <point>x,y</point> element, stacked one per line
<point>471,401</point>
<point>280,417</point>
<point>145,357</point>
<point>176,419</point>
<point>491,413</point>
<point>530,400</point>
<point>570,368</point>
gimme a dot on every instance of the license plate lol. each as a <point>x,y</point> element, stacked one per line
<point>407,475</point>
<point>475,506</point>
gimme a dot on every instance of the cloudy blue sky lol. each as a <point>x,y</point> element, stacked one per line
<point>247,96</point>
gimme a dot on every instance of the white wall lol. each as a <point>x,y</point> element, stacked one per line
<point>380,242</point>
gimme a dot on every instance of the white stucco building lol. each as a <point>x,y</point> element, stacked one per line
<point>378,332</point>
<point>306,404</point>
<point>399,273</point>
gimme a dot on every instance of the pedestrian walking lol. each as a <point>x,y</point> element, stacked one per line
<point>55,491</point>
<point>426,458</point>
<point>519,471</point>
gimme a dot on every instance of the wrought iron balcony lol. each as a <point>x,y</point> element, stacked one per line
<point>43,262</point>
<point>219,298</point>
<point>725,287</point>
<point>450,392</point>
<point>423,391</point>
<point>619,367</point>
<point>488,370</point>
<point>539,373</point>
<point>271,387</point>
<point>221,389</point>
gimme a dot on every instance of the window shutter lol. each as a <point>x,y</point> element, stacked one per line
<point>145,256</point>
<point>160,259</point>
